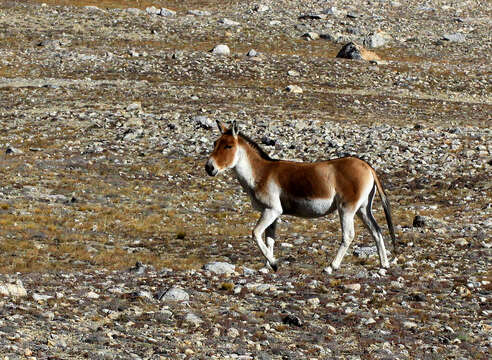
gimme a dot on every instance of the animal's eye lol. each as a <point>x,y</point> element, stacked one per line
<point>227,147</point>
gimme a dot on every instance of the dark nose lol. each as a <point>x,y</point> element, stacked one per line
<point>209,169</point>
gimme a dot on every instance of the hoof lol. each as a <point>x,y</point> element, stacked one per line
<point>328,270</point>
<point>274,266</point>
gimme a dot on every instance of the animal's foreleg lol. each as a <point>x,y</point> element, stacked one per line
<point>347,222</point>
<point>270,236</point>
<point>268,217</point>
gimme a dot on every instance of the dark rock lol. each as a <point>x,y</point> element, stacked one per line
<point>292,320</point>
<point>356,52</point>
<point>265,140</point>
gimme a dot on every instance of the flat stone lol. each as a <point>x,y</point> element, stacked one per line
<point>352,287</point>
<point>456,37</point>
<point>199,12</point>
<point>193,319</point>
<point>166,12</point>
<point>221,49</point>
<point>295,89</point>
<point>219,267</point>
<point>409,325</point>
<point>13,290</point>
<point>175,294</point>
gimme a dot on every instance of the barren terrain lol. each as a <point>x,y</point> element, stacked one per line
<point>107,116</point>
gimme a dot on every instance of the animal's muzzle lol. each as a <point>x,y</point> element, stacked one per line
<point>210,169</point>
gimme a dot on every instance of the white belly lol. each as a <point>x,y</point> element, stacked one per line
<point>308,208</point>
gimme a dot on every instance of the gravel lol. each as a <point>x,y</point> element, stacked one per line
<point>108,116</point>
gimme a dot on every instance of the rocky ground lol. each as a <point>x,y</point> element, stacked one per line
<point>107,115</point>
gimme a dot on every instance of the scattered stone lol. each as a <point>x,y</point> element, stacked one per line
<point>292,320</point>
<point>293,73</point>
<point>261,8</point>
<point>311,36</point>
<point>294,89</point>
<point>41,297</point>
<point>221,49</point>
<point>136,106</point>
<point>228,22</point>
<point>193,319</point>
<point>233,332</point>
<point>252,53</point>
<point>174,294</point>
<point>456,37</point>
<point>313,17</point>
<point>351,287</point>
<point>199,12</point>
<point>166,12</point>
<point>13,151</point>
<point>461,242</point>
<point>13,289</point>
<point>268,141</point>
<point>425,221</point>
<point>409,325</point>
<point>332,11</point>
<point>353,15</point>
<point>203,121</point>
<point>357,52</point>
<point>313,301</point>
<point>133,11</point>
<point>152,10</point>
<point>220,268</point>
<point>92,295</point>
<point>377,39</point>
<point>365,252</point>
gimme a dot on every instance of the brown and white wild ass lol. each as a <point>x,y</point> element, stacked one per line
<point>308,190</point>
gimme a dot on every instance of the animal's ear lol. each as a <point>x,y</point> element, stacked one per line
<point>221,127</point>
<point>234,129</point>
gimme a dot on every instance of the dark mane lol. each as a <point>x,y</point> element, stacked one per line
<point>254,145</point>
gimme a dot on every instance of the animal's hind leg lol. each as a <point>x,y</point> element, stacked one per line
<point>347,223</point>
<point>270,236</point>
<point>268,217</point>
<point>365,214</point>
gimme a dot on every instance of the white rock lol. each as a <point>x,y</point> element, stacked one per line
<point>152,10</point>
<point>133,11</point>
<point>221,49</point>
<point>175,294</point>
<point>233,332</point>
<point>377,39</point>
<point>219,267</point>
<point>92,295</point>
<point>261,8</point>
<point>167,12</point>
<point>134,106</point>
<point>352,287</point>
<point>193,319</point>
<point>409,325</point>
<point>294,89</point>
<point>41,297</point>
<point>456,37</point>
<point>331,329</point>
<point>228,22</point>
<point>199,12</point>
<point>13,290</point>
<point>461,242</point>
<point>313,301</point>
<point>311,36</point>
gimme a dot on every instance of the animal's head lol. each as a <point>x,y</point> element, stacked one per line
<point>225,154</point>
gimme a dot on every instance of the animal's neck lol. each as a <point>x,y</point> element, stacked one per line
<point>249,167</point>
